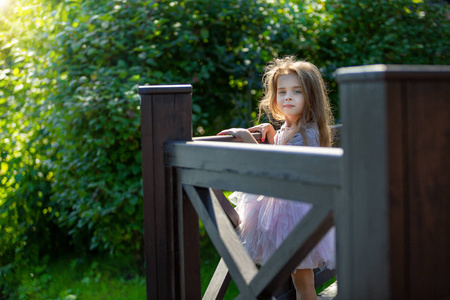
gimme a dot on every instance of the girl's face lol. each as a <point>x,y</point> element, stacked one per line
<point>290,99</point>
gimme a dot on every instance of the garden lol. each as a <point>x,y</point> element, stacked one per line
<point>70,158</point>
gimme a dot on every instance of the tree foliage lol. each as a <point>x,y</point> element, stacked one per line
<point>70,116</point>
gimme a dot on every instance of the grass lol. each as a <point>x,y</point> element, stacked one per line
<point>71,279</point>
<point>101,277</point>
<point>105,278</point>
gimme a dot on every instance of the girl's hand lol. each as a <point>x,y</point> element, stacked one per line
<point>241,134</point>
<point>267,132</point>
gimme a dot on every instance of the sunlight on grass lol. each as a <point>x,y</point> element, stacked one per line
<point>70,279</point>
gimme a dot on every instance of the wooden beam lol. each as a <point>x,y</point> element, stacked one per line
<point>366,183</point>
<point>224,138</point>
<point>227,207</point>
<point>223,236</point>
<point>392,219</point>
<point>276,187</point>
<point>219,283</point>
<point>257,135</point>
<point>311,165</point>
<point>163,118</point>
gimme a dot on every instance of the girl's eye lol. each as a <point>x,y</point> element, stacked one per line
<point>281,92</point>
<point>298,91</point>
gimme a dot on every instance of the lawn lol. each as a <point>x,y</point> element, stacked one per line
<point>71,278</point>
<point>101,277</point>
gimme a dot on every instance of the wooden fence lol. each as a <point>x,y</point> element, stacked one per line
<point>388,194</point>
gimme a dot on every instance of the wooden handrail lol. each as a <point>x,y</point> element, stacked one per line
<point>223,138</point>
<point>337,129</point>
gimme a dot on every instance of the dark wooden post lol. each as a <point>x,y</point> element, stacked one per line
<point>393,221</point>
<point>166,115</point>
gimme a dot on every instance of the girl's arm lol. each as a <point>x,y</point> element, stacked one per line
<point>240,133</point>
<point>267,132</point>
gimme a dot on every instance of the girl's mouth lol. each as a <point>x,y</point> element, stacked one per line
<point>289,106</point>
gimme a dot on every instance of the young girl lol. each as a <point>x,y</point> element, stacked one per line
<point>294,94</point>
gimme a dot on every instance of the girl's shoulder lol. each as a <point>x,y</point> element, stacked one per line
<point>311,133</point>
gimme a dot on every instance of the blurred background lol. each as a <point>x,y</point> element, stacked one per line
<point>70,165</point>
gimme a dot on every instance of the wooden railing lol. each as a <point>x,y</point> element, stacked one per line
<point>371,190</point>
<point>219,283</point>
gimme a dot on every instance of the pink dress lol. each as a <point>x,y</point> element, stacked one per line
<point>267,221</point>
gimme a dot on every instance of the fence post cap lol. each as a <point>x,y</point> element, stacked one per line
<point>381,72</point>
<point>165,89</point>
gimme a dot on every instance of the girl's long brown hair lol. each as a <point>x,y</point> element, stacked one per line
<point>317,106</point>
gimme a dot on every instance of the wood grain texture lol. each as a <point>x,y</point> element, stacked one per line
<point>159,123</point>
<point>428,187</point>
<point>162,104</point>
<point>398,205</point>
<point>151,270</point>
<point>396,116</point>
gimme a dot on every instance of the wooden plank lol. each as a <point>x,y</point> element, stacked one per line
<point>368,171</point>
<point>398,106</point>
<point>163,105</point>
<point>219,283</point>
<point>313,165</point>
<point>343,204</point>
<point>296,191</point>
<point>428,183</point>
<point>229,138</point>
<point>151,272</point>
<point>159,124</point>
<point>228,208</point>
<point>398,203</point>
<point>297,245</point>
<point>224,138</point>
<point>365,185</point>
<point>187,249</point>
<point>187,252</point>
<point>223,236</point>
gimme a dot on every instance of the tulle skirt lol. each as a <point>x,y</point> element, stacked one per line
<point>267,221</point>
